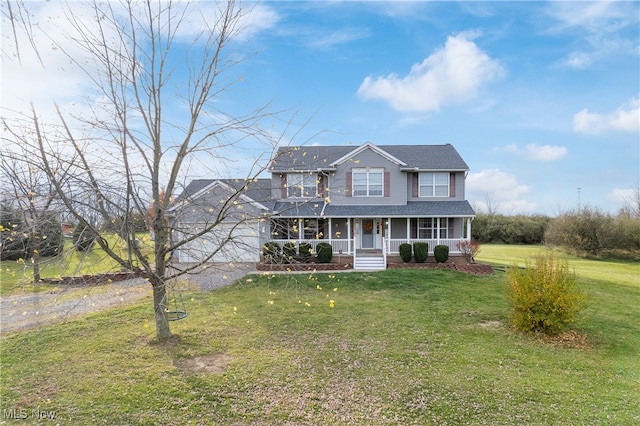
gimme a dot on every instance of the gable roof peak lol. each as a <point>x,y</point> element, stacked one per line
<point>374,148</point>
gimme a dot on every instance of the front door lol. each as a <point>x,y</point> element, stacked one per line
<point>371,234</point>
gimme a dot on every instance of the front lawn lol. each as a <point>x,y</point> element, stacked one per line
<point>397,347</point>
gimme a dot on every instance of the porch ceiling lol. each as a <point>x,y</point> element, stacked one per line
<point>411,209</point>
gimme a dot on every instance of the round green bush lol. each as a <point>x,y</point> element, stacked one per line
<point>305,250</point>
<point>325,252</point>
<point>420,252</point>
<point>405,252</point>
<point>289,251</point>
<point>271,251</point>
<point>83,237</point>
<point>50,231</point>
<point>441,253</point>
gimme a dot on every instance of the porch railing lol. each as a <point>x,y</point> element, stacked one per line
<point>389,245</point>
<point>452,243</point>
<point>336,245</point>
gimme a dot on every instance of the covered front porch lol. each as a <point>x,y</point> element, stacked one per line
<point>364,231</point>
<point>371,239</point>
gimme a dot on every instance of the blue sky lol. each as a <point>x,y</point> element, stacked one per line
<point>540,98</point>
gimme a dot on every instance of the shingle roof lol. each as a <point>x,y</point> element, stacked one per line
<point>258,190</point>
<point>423,157</point>
<point>412,208</point>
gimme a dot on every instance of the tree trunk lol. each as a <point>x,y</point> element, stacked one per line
<point>163,332</point>
<point>36,268</point>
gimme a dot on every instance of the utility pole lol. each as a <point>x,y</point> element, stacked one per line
<point>579,199</point>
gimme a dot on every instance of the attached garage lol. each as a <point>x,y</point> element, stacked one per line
<point>239,244</point>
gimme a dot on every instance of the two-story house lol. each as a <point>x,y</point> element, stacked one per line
<point>365,201</point>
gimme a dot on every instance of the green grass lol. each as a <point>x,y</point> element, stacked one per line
<point>622,272</point>
<point>398,347</point>
<point>17,276</point>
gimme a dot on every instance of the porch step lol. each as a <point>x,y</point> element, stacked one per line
<point>369,263</point>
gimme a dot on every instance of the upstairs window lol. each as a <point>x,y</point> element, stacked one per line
<point>367,182</point>
<point>434,185</point>
<point>302,185</point>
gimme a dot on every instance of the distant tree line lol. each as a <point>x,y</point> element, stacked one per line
<point>501,229</point>
<point>588,231</point>
<point>593,232</point>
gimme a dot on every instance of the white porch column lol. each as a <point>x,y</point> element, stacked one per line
<point>408,230</point>
<point>349,239</point>
<point>387,234</point>
<point>469,220</point>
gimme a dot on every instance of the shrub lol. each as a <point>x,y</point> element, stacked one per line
<point>15,241</point>
<point>420,252</point>
<point>304,249</point>
<point>289,251</point>
<point>325,252</point>
<point>543,295</point>
<point>271,251</point>
<point>469,249</point>
<point>20,241</point>
<point>441,253</point>
<point>50,233</point>
<point>405,252</point>
<point>83,237</point>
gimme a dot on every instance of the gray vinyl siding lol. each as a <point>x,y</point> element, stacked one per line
<point>368,158</point>
<point>398,228</point>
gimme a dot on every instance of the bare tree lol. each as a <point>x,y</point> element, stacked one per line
<point>27,189</point>
<point>631,206</point>
<point>159,70</point>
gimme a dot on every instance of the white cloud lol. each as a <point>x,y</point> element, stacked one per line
<point>595,17</point>
<point>600,24</point>
<point>621,195</point>
<point>452,74</point>
<point>337,38</point>
<point>41,72</point>
<point>493,189</point>
<point>625,119</point>
<point>538,153</point>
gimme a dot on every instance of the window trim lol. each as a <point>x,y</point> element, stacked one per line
<point>422,186</point>
<point>433,227</point>
<point>367,171</point>
<point>304,190</point>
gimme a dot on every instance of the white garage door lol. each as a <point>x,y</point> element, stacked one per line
<point>242,247</point>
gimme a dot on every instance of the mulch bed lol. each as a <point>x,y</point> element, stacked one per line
<point>470,268</point>
<point>281,267</point>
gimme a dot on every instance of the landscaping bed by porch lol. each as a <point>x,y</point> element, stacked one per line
<point>456,263</point>
<point>471,268</point>
<point>346,263</point>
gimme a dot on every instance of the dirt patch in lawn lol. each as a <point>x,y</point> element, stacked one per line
<point>568,339</point>
<point>207,364</point>
<point>490,324</point>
